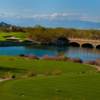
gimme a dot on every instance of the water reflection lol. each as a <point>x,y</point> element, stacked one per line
<point>84,54</point>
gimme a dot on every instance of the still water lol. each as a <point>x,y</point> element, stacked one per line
<point>84,54</point>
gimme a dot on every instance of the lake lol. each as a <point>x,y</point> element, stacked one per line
<point>83,53</point>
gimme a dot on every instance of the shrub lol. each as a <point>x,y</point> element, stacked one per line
<point>56,72</point>
<point>9,75</point>
<point>31,74</point>
<point>48,73</point>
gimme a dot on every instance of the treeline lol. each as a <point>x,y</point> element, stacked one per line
<point>4,27</point>
<point>44,34</point>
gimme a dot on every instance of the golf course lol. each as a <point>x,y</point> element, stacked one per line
<point>49,49</point>
<point>30,73</point>
<point>30,79</point>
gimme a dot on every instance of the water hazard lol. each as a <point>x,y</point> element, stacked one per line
<point>84,54</point>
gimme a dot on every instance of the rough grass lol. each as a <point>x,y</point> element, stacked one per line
<point>65,81</point>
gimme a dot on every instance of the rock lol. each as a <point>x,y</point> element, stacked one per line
<point>22,55</point>
<point>32,57</point>
<point>77,60</point>
<point>90,62</point>
<point>97,62</point>
<point>57,58</point>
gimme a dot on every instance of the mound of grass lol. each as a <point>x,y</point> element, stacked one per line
<point>19,65</point>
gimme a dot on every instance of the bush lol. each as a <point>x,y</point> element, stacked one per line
<point>56,72</point>
<point>48,73</point>
<point>9,75</point>
<point>31,74</point>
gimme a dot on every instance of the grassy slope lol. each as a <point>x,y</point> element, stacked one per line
<point>19,65</point>
<point>77,82</point>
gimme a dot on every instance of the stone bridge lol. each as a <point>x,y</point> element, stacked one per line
<point>84,43</point>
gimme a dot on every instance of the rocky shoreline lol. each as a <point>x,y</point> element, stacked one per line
<point>63,58</point>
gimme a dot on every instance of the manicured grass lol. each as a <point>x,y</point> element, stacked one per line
<point>19,35</point>
<point>84,87</point>
<point>75,82</point>
<point>22,65</point>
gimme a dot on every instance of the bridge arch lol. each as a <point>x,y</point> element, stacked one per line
<point>87,45</point>
<point>62,41</point>
<point>74,44</point>
<point>98,47</point>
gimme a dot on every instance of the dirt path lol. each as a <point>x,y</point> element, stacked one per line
<point>97,67</point>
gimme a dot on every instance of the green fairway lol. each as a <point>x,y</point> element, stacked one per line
<point>65,81</point>
<point>19,35</point>
<point>86,87</point>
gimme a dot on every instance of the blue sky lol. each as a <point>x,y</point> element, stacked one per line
<point>37,11</point>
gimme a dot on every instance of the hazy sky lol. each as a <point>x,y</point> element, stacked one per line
<point>84,10</point>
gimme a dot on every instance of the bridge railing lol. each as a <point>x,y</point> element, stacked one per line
<point>89,40</point>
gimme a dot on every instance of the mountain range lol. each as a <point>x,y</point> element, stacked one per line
<point>50,23</point>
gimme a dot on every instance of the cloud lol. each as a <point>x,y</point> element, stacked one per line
<point>51,16</point>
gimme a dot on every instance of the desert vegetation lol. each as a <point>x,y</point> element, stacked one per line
<point>44,34</point>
